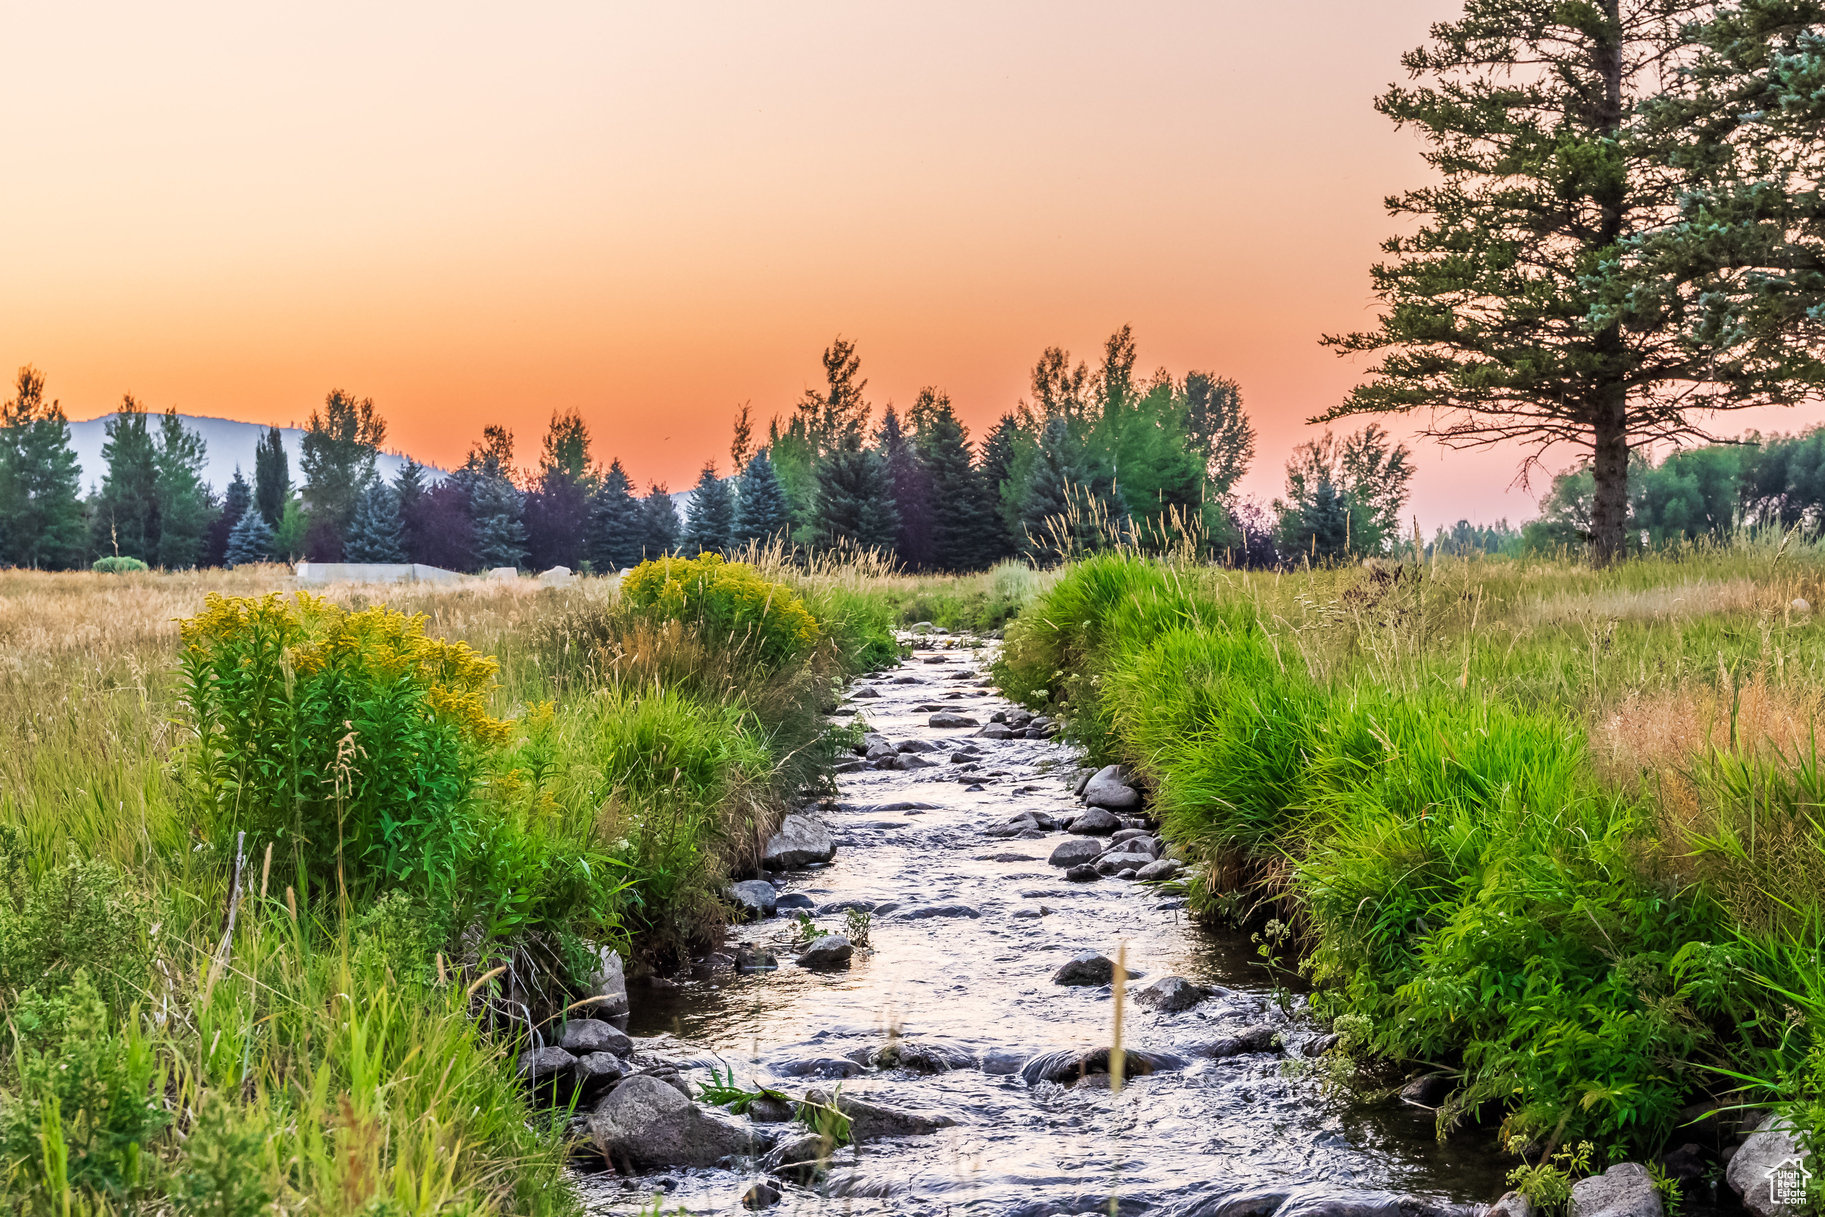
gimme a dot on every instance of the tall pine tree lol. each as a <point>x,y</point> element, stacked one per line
<point>41,521</point>
<point>762,513</point>
<point>125,517</point>
<point>340,444</point>
<point>616,527</point>
<point>235,502</point>
<point>910,486</point>
<point>557,509</point>
<point>962,525</point>
<point>999,536</point>
<point>411,492</point>
<point>185,509</point>
<point>658,524</point>
<point>709,525</point>
<point>271,476</point>
<point>855,500</point>
<point>375,530</point>
<point>250,540</point>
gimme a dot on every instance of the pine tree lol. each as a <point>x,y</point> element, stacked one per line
<point>235,501</point>
<point>658,524</point>
<point>375,530</point>
<point>125,516</point>
<point>616,529</point>
<point>250,540</point>
<point>761,511</point>
<point>855,501</point>
<point>1320,531</point>
<point>271,476</point>
<point>500,537</point>
<point>412,494</point>
<point>910,485</point>
<point>709,525</point>
<point>185,509</point>
<point>963,526</point>
<point>340,445</point>
<point>1047,523</point>
<point>41,520</point>
<point>557,510</point>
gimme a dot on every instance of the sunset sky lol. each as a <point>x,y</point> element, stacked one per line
<point>652,213</point>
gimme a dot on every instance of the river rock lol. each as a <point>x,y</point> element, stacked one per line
<point>1085,968</point>
<point>865,691</point>
<point>1083,872</point>
<point>594,1070</point>
<point>585,1035</point>
<point>844,906</point>
<point>1074,851</point>
<point>995,731</point>
<point>1512,1204</point>
<point>762,1194</point>
<point>872,1122</point>
<point>644,1124</point>
<point>800,1159</point>
<point>608,984</point>
<point>921,1056</point>
<point>755,959</point>
<point>1428,1090</point>
<point>1107,789</point>
<point>827,951</point>
<point>950,721</point>
<point>754,898</point>
<point>1170,995</point>
<point>1770,1151</point>
<point>881,756</point>
<point>769,1110</point>
<point>800,841</point>
<point>1259,1038</point>
<point>917,745</point>
<point>912,760</point>
<point>925,912</point>
<point>1074,1065</point>
<point>1163,868</point>
<point>795,901</point>
<point>545,1064</point>
<point>1095,822</point>
<point>1624,1190</point>
<point>818,1067</point>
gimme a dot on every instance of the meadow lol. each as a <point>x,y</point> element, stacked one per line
<point>1550,832</point>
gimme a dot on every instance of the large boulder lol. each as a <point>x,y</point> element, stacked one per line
<point>1624,1190</point>
<point>586,1035</point>
<point>608,984</point>
<point>1108,789</point>
<point>754,898</point>
<point>1093,823</point>
<point>644,1124</point>
<point>1170,995</point>
<point>800,841</point>
<point>949,721</point>
<point>827,951</point>
<point>1075,851</point>
<point>1085,968</point>
<point>1766,1171</point>
<point>1165,868</point>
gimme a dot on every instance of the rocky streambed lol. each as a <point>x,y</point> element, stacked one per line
<point>933,955</point>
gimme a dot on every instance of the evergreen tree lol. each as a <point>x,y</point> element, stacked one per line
<point>1319,529</point>
<point>339,447</point>
<point>962,523</point>
<point>41,520</point>
<point>443,527</point>
<point>1364,476</point>
<point>658,524</point>
<point>411,493</point>
<point>999,536</point>
<point>250,540</point>
<point>709,525</point>
<point>557,510</point>
<point>1521,308</point>
<point>1048,524</point>
<point>291,536</point>
<point>909,485</point>
<point>500,536</point>
<point>271,476</point>
<point>761,511</point>
<point>185,509</point>
<point>616,527</point>
<point>126,506</point>
<point>375,531</point>
<point>235,501</point>
<point>855,500</point>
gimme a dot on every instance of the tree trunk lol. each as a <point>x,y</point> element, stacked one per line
<point>1610,469</point>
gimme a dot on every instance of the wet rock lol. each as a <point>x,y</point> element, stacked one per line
<point>1006,858</point>
<point>1095,822</point>
<point>937,659</point>
<point>1170,995</point>
<point>948,721</point>
<point>925,912</point>
<point>906,805</point>
<point>843,906</point>
<point>1624,1190</point>
<point>800,1159</point>
<point>769,1110</point>
<point>994,731</point>
<point>1751,1173</point>
<point>1085,968</point>
<point>912,760</point>
<point>819,1067</point>
<point>1018,718</point>
<point>1074,1065</point>
<point>795,900</point>
<point>594,1070</point>
<point>1117,861</point>
<point>1256,1202</point>
<point>965,758</point>
<point>1366,1204</point>
<point>545,1064</point>
<point>921,1056</point>
<point>1260,1038</point>
<point>608,984</point>
<point>999,716</point>
<point>1080,780</point>
<point>754,898</point>
<point>1074,851</point>
<point>1164,868</point>
<point>1319,1046</point>
<point>800,841</point>
<point>1512,1204</point>
<point>760,1195</point>
<point>1428,1090</point>
<point>1107,789</point>
<point>1083,872</point>
<point>904,680</point>
<point>917,745</point>
<point>872,1122</point>
<point>584,1035</point>
<point>882,758</point>
<point>755,959</point>
<point>645,1124</point>
<point>849,766</point>
<point>1024,914</point>
<point>999,1062</point>
<point>866,691</point>
<point>829,951</point>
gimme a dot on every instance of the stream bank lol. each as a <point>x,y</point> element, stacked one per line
<point>955,1022</point>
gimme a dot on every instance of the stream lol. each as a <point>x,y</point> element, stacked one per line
<point>968,931</point>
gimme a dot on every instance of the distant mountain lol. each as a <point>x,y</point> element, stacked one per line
<point>227,444</point>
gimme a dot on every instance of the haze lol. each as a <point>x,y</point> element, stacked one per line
<point>652,214</point>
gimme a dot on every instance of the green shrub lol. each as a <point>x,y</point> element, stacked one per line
<point>115,564</point>
<point>349,739</point>
<point>728,601</point>
<point>73,918</point>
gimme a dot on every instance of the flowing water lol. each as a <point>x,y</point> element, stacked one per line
<point>1227,1137</point>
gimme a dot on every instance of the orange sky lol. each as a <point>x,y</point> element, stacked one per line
<point>651,213</point>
